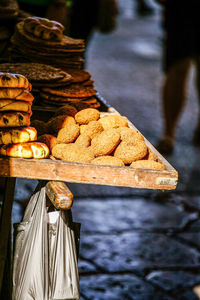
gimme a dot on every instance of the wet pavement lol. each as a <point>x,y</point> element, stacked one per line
<point>135,243</point>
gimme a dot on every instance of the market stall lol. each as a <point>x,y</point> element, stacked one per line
<point>67,83</point>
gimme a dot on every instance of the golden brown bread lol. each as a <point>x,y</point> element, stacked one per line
<point>17,135</point>
<point>58,122</point>
<point>48,139</point>
<point>12,105</point>
<point>14,119</point>
<point>68,134</point>
<point>147,164</point>
<point>44,28</point>
<point>108,160</point>
<point>130,152</point>
<point>87,115</point>
<point>25,150</point>
<point>16,94</point>
<point>8,80</point>
<point>72,152</point>
<point>105,142</point>
<point>113,121</point>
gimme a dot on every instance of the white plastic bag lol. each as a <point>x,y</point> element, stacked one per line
<point>45,259</point>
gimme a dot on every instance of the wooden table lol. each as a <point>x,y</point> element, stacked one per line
<point>58,172</point>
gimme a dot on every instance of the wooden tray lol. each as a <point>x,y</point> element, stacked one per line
<point>52,169</point>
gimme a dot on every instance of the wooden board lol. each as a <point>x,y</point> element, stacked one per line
<point>52,169</point>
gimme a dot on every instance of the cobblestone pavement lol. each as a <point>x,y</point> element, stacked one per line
<point>137,244</point>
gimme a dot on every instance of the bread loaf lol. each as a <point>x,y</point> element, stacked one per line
<point>25,150</point>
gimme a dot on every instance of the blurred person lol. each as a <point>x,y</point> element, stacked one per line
<point>86,16</point>
<point>142,8</point>
<point>51,9</point>
<point>181,24</point>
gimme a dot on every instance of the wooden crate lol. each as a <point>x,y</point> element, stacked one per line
<point>53,169</point>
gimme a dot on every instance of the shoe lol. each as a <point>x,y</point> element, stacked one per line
<point>165,146</point>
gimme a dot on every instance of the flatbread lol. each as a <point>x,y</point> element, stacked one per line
<point>75,90</point>
<point>36,71</point>
<point>55,98</point>
<point>79,75</point>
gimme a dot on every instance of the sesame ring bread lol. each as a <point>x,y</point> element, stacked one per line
<point>113,121</point>
<point>87,115</point>
<point>129,135</point>
<point>10,80</point>
<point>16,94</point>
<point>25,150</point>
<point>68,134</point>
<point>44,28</point>
<point>17,135</point>
<point>83,140</point>
<point>130,152</point>
<point>72,152</point>
<point>147,164</point>
<point>105,142</point>
<point>14,119</point>
<point>91,129</point>
<point>108,160</point>
<point>58,122</point>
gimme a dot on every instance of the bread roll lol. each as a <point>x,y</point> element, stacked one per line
<point>17,135</point>
<point>25,150</point>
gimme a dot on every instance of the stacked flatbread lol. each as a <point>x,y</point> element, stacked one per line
<point>16,135</point>
<point>77,84</point>
<point>39,75</point>
<point>64,53</point>
<point>75,94</point>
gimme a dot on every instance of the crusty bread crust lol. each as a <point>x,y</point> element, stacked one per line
<point>12,105</point>
<point>14,81</point>
<point>16,94</point>
<point>25,150</point>
<point>14,119</point>
<point>17,135</point>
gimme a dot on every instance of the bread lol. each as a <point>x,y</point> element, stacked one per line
<point>17,135</point>
<point>16,94</point>
<point>44,28</point>
<point>8,80</point>
<point>12,105</point>
<point>25,150</point>
<point>113,121</point>
<point>14,119</point>
<point>48,139</point>
<point>87,115</point>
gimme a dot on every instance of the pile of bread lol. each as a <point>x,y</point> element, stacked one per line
<point>87,136</point>
<point>42,40</point>
<point>17,138</point>
<point>54,87</point>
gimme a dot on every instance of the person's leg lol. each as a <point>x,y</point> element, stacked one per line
<point>173,99</point>
<point>196,137</point>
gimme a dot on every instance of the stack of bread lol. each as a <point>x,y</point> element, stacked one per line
<point>88,136</point>
<point>42,40</point>
<point>55,87</point>
<point>17,138</point>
